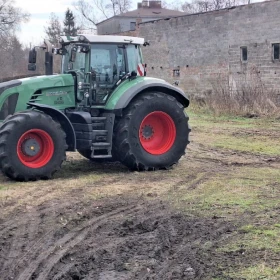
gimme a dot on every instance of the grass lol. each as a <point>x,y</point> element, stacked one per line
<point>235,191</point>
<point>257,272</point>
<point>246,192</point>
<point>238,134</point>
<point>3,188</point>
<point>224,175</point>
<point>247,144</point>
<point>265,238</point>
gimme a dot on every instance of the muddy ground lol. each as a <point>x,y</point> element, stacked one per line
<point>119,238</point>
<point>100,221</point>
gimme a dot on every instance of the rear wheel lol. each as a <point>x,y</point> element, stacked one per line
<point>32,146</point>
<point>153,133</point>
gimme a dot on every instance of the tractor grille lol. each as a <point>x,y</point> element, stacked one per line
<point>9,106</point>
<point>35,98</point>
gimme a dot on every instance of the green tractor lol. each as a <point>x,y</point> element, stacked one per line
<point>102,105</point>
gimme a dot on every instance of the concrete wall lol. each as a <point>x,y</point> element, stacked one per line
<point>119,24</point>
<point>110,26</point>
<point>206,47</point>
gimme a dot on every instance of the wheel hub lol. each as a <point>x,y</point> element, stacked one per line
<point>35,148</point>
<point>157,133</point>
<point>147,132</point>
<point>30,147</point>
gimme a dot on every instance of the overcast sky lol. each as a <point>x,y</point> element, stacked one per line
<point>33,31</point>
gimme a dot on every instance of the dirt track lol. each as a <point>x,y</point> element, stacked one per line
<point>124,239</point>
<point>128,232</point>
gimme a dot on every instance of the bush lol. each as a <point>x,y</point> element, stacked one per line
<point>247,97</point>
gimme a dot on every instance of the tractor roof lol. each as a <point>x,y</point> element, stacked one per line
<point>102,39</point>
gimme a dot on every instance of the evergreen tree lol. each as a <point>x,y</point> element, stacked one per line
<point>70,28</point>
<point>54,30</point>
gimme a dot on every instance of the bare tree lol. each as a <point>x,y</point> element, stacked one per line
<point>92,11</point>
<point>10,17</point>
<point>87,13</point>
<point>200,6</point>
<point>13,58</point>
<point>174,5</point>
<point>12,55</point>
<point>118,6</point>
<point>54,29</point>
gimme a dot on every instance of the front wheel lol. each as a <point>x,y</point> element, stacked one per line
<point>153,133</point>
<point>32,146</point>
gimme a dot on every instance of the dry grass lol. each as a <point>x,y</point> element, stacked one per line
<point>246,97</point>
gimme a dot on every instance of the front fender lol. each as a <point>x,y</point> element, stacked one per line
<point>123,95</point>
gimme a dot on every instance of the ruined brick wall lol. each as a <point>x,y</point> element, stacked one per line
<point>205,47</point>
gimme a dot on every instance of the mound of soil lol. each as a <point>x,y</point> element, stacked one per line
<point>112,239</point>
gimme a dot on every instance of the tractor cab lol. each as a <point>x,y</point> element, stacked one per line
<point>100,63</point>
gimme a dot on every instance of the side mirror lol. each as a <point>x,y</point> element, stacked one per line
<point>31,67</point>
<point>32,56</point>
<point>73,54</point>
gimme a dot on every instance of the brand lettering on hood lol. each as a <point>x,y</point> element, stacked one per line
<point>56,93</point>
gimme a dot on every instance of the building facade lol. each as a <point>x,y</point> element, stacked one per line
<point>126,22</point>
<point>226,44</point>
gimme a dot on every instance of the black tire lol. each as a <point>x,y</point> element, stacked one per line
<point>13,129</point>
<point>127,141</point>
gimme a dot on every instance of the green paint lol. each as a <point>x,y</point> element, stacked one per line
<point>122,88</point>
<point>56,91</point>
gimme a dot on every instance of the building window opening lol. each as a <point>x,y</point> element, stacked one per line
<point>244,54</point>
<point>176,72</point>
<point>133,26</point>
<point>276,51</point>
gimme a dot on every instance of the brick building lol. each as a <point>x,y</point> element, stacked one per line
<point>126,22</point>
<point>229,43</point>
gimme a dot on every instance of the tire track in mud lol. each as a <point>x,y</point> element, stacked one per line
<point>100,242</point>
<point>227,157</point>
<point>193,181</point>
<point>17,246</point>
<point>17,222</point>
<point>179,256</point>
<point>125,238</point>
<point>47,259</point>
<point>152,243</point>
<point>20,221</point>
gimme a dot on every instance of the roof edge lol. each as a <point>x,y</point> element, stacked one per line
<point>214,11</point>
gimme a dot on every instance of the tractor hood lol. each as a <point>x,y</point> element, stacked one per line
<point>55,90</point>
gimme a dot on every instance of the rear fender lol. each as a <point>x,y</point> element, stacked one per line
<point>62,119</point>
<point>150,85</point>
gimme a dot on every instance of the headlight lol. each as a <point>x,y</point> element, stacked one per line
<point>80,85</point>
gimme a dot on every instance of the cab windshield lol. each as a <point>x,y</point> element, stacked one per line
<point>103,66</point>
<point>77,65</point>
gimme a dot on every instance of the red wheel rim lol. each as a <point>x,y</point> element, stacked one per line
<point>157,133</point>
<point>35,148</point>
